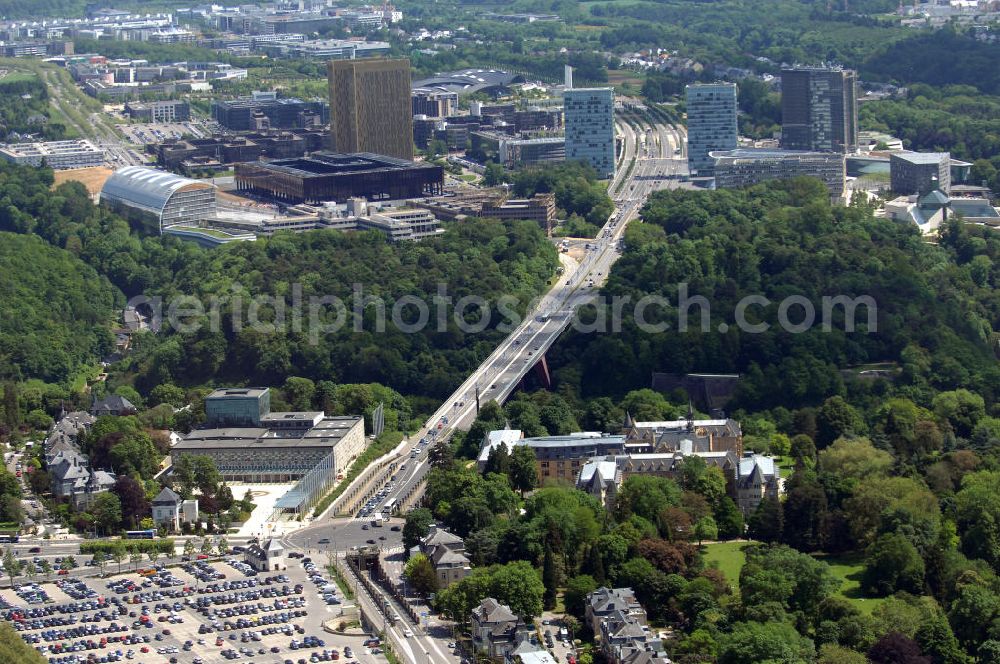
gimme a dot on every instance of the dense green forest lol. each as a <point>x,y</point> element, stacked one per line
<point>485,258</point>
<point>937,306</point>
<point>57,310</point>
<point>956,118</point>
<point>735,32</point>
<point>14,9</point>
<point>940,58</point>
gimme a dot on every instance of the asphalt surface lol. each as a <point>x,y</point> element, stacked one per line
<point>183,620</point>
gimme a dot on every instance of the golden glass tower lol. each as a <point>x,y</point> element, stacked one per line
<point>370,108</point>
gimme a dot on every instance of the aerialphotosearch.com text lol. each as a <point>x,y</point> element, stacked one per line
<point>321,315</point>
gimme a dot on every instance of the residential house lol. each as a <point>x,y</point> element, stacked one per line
<point>72,476</point>
<point>72,425</point>
<point>619,622</point>
<point>623,637</point>
<point>69,470</point>
<point>759,478</point>
<point>167,508</point>
<point>610,602</point>
<point>59,449</point>
<point>65,434</point>
<point>631,655</point>
<point>496,631</point>
<point>112,405</point>
<point>447,555</point>
<point>268,556</point>
<point>98,482</point>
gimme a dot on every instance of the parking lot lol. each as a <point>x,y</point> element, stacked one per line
<point>198,612</point>
<point>157,132</point>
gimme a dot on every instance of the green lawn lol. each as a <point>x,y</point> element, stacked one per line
<point>16,75</point>
<point>786,464</point>
<point>848,569</point>
<point>730,559</point>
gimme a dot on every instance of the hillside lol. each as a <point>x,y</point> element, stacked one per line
<point>56,310</point>
<point>936,306</point>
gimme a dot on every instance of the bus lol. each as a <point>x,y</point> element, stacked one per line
<point>10,538</point>
<point>140,534</point>
<point>388,508</point>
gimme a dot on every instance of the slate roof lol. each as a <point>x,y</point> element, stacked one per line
<point>492,612</point>
<point>167,496</point>
<point>442,537</point>
<point>113,403</point>
<point>444,556</point>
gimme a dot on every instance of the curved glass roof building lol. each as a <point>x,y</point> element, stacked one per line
<point>157,199</point>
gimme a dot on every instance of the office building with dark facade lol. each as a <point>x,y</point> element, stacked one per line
<point>370,106</point>
<point>197,155</point>
<point>819,109</point>
<point>920,172</point>
<point>424,129</point>
<point>251,114</point>
<point>329,176</point>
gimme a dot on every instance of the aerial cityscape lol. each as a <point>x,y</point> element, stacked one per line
<point>464,332</point>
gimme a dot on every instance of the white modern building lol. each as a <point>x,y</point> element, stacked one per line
<point>711,115</point>
<point>55,154</point>
<point>590,128</point>
<point>157,199</point>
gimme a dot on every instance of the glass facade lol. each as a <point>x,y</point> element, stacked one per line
<point>711,114</point>
<point>819,110</point>
<point>590,128</point>
<point>237,407</point>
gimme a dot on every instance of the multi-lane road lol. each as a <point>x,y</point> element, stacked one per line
<point>658,152</point>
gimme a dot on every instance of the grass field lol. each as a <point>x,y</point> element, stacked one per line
<point>730,558</point>
<point>786,464</point>
<point>620,76</point>
<point>14,75</point>
<point>848,569</point>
